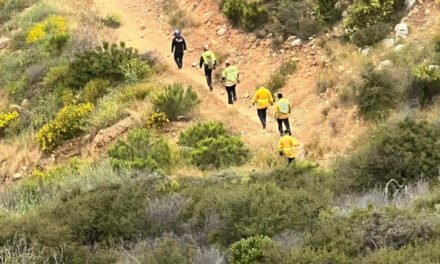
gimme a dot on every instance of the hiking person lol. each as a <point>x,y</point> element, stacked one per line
<point>178,47</point>
<point>263,97</point>
<point>210,61</point>
<point>230,78</point>
<point>282,111</point>
<point>287,147</point>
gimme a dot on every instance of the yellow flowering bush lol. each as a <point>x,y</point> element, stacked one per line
<point>68,123</point>
<point>157,120</point>
<point>7,120</point>
<point>53,25</point>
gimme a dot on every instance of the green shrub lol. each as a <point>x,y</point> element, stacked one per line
<point>11,7</point>
<point>175,101</point>
<point>111,21</point>
<point>208,146</point>
<point>56,77</point>
<point>404,151</point>
<point>44,110</point>
<point>371,35</point>
<point>366,13</point>
<point>157,120</point>
<point>68,123</point>
<point>278,79</point>
<point>326,11</point>
<point>134,70</point>
<point>197,133</point>
<point>169,251</point>
<point>103,62</point>
<point>95,89</point>
<point>227,212</point>
<point>141,152</point>
<point>250,250</point>
<point>377,95</point>
<point>310,255</point>
<point>426,84</point>
<point>249,15</point>
<point>108,111</point>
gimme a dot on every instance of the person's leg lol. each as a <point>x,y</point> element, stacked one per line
<point>208,74</point>
<point>291,162</point>
<point>280,125</point>
<point>230,95</point>
<point>264,117</point>
<point>176,59</point>
<point>181,60</point>
<point>234,92</point>
<point>287,124</point>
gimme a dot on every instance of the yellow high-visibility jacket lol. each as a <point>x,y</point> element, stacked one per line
<point>282,109</point>
<point>230,75</point>
<point>288,145</point>
<point>263,97</point>
<point>209,59</point>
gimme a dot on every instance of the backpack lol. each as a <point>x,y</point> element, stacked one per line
<point>209,61</point>
<point>283,106</point>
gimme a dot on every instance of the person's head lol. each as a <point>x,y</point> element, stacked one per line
<point>177,33</point>
<point>280,95</point>
<point>227,63</point>
<point>205,47</point>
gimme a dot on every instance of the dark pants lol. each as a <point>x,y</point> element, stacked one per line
<point>280,124</point>
<point>262,114</point>
<point>208,75</point>
<point>232,95</point>
<point>178,58</point>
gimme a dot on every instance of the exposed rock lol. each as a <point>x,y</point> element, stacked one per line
<point>296,43</point>
<point>427,12</point>
<point>399,47</point>
<point>207,17</point>
<point>365,51</point>
<point>388,43</point>
<point>222,31</point>
<point>4,42</point>
<point>401,30</point>
<point>384,64</point>
<point>434,67</point>
<point>17,176</point>
<point>409,4</point>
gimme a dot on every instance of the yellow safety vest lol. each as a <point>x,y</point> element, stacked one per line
<point>287,145</point>
<point>209,59</point>
<point>263,97</point>
<point>230,74</point>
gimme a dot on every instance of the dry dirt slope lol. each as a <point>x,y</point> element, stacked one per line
<point>255,60</point>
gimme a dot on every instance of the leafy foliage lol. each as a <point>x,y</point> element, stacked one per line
<point>175,101</point>
<point>327,11</point>
<point>111,21</point>
<point>377,95</point>
<point>371,34</point>
<point>279,78</point>
<point>157,120</point>
<point>250,250</point>
<point>7,120</point>
<point>426,83</point>
<point>95,89</point>
<point>209,146</point>
<point>141,152</point>
<point>134,70</point>
<point>68,123</point>
<point>366,13</point>
<point>249,15</point>
<point>103,62</point>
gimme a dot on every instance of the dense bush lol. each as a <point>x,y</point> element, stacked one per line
<point>52,33</point>
<point>141,152</point>
<point>426,83</point>
<point>111,21</point>
<point>134,70</point>
<point>404,151</point>
<point>68,123</point>
<point>327,11</point>
<point>56,77</point>
<point>95,89</point>
<point>366,13</point>
<point>377,95</point>
<point>169,251</point>
<point>208,146</point>
<point>103,62</point>
<point>7,120</point>
<point>175,101</point>
<point>371,34</point>
<point>250,250</point>
<point>157,120</point>
<point>249,15</point>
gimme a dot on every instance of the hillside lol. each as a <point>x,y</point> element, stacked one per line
<point>110,154</point>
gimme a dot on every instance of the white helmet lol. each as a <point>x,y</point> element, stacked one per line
<point>206,47</point>
<point>177,32</point>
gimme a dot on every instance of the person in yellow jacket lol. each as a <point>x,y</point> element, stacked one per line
<point>287,147</point>
<point>263,98</point>
<point>210,61</point>
<point>230,78</point>
<point>282,111</point>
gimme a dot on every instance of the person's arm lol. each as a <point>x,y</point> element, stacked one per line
<point>238,77</point>
<point>215,60</point>
<point>270,98</point>
<point>173,45</point>
<point>295,142</point>
<point>184,44</point>
<point>280,147</point>
<point>224,76</point>
<point>201,61</point>
<point>254,100</point>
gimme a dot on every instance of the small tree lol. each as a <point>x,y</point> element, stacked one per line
<point>250,250</point>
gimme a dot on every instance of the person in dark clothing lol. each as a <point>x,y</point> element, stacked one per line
<point>178,47</point>
<point>209,60</point>
<point>230,78</point>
